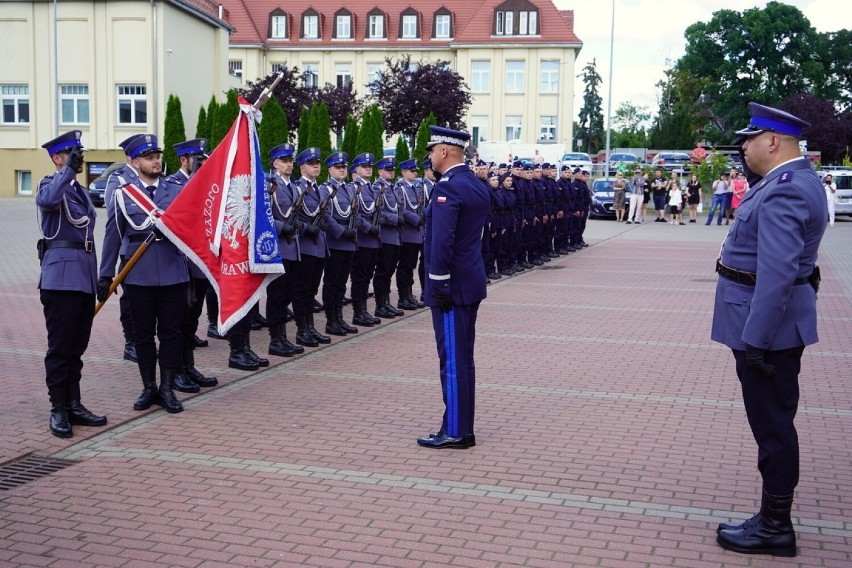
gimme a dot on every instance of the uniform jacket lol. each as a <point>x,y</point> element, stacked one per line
<point>162,264</point>
<point>367,212</point>
<point>67,268</point>
<point>452,249</point>
<point>311,246</point>
<point>388,213</point>
<point>498,203</point>
<point>776,233</point>
<point>510,201</point>
<point>338,214</point>
<point>409,199</point>
<point>129,175</point>
<point>179,179</point>
<point>283,199</point>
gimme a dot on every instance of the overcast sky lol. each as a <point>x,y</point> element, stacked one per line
<point>648,32</point>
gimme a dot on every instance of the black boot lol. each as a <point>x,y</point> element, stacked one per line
<point>277,346</point>
<point>238,358</point>
<point>194,374</point>
<point>60,426</point>
<point>383,305</point>
<point>316,307</point>
<point>168,400</point>
<point>360,316</point>
<point>338,315</point>
<point>261,362</point>
<point>213,331</point>
<point>313,331</point>
<point>405,299</point>
<point>392,309</point>
<point>332,326</point>
<point>79,414</point>
<point>768,532</point>
<point>415,301</point>
<point>303,336</point>
<point>130,352</point>
<point>288,315</point>
<point>183,384</point>
<point>149,394</point>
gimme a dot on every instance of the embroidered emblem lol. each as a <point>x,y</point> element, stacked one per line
<point>441,199</point>
<point>785,177</point>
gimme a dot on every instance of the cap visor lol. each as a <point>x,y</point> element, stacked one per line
<point>749,131</point>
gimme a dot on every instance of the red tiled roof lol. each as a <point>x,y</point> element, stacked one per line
<point>472,22</point>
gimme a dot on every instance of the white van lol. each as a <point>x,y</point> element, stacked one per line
<point>843,182</point>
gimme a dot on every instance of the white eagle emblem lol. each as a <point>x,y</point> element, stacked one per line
<point>237,210</point>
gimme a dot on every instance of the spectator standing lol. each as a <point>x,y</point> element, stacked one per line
<point>693,197</point>
<point>619,190</point>
<point>830,196</point>
<point>637,194</point>
<point>675,199</point>
<point>739,186</point>
<point>646,196</point>
<point>720,198</point>
<point>659,193</point>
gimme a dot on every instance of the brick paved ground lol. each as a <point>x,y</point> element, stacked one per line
<point>610,431</point>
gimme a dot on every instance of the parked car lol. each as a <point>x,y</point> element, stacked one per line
<point>672,161</point>
<point>98,185</point>
<point>602,199</point>
<point>843,182</point>
<point>622,160</point>
<point>576,160</point>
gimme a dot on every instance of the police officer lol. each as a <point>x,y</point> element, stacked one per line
<point>563,232</point>
<point>364,261</point>
<point>765,312</point>
<point>584,200</point>
<point>68,281</point>
<point>312,249</point>
<point>411,204</point>
<point>425,192</point>
<point>494,227</point>
<point>390,222</point>
<point>156,287</point>
<point>456,281</point>
<point>191,155</point>
<point>129,175</point>
<point>279,293</point>
<point>341,218</point>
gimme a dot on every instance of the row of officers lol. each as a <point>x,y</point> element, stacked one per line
<point>330,232</point>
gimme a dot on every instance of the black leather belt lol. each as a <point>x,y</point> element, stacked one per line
<point>748,278</point>
<point>87,246</point>
<point>140,237</point>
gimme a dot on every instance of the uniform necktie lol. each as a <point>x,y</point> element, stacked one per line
<point>151,189</point>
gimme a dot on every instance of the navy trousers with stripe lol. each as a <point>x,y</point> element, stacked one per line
<point>455,332</point>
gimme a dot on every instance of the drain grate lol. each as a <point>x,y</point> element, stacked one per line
<point>29,468</point>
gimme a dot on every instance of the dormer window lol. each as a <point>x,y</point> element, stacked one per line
<point>409,27</point>
<point>515,17</point>
<point>343,24</point>
<point>310,25</point>
<point>443,24</point>
<point>278,25</point>
<point>376,28</point>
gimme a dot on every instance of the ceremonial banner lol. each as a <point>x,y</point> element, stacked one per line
<point>222,221</point>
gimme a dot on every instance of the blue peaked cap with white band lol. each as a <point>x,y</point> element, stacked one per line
<point>142,145</point>
<point>285,150</point>
<point>441,135</point>
<point>768,119</point>
<point>194,146</point>
<point>68,141</point>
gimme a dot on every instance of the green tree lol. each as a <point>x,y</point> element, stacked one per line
<point>350,137</point>
<point>370,134</point>
<point>174,132</point>
<point>225,116</point>
<point>422,137</point>
<point>273,129</point>
<point>303,135</point>
<point>321,135</point>
<point>591,128</point>
<point>401,154</point>
<point>201,130</point>
<point>631,126</point>
<point>212,107</point>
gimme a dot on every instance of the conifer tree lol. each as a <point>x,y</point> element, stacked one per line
<point>303,140</point>
<point>321,136</point>
<point>225,116</point>
<point>422,137</point>
<point>273,130</point>
<point>212,107</point>
<point>201,130</point>
<point>401,153</point>
<point>350,137</point>
<point>174,132</point>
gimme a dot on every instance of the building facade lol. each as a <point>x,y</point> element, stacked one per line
<point>516,56</point>
<point>105,68</point>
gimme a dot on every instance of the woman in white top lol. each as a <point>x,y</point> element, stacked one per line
<point>675,199</point>
<point>831,197</point>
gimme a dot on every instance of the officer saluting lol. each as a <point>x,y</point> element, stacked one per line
<point>765,312</point>
<point>455,283</point>
<point>67,283</point>
<point>411,205</point>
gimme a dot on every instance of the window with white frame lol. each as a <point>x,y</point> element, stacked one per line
<point>480,76</point>
<point>25,182</point>
<point>510,23</point>
<point>513,127</point>
<point>549,77</point>
<point>409,26</point>
<point>372,74</point>
<point>344,26</point>
<point>522,23</point>
<point>500,24</point>
<point>532,26</point>
<point>235,68</point>
<point>16,104</point>
<point>547,128</point>
<point>132,104</point>
<point>74,104</point>
<point>311,75</point>
<point>515,76</point>
<point>479,128</point>
<point>278,27</point>
<point>310,26</point>
<point>343,75</point>
<point>376,26</point>
<point>442,26</point>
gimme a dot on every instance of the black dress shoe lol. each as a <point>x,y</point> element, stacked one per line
<point>494,276</point>
<point>317,307</point>
<point>441,440</point>
<point>130,352</point>
<point>79,414</point>
<point>199,379</point>
<point>183,384</point>
<point>213,332</point>
<point>198,342</point>
<point>59,424</point>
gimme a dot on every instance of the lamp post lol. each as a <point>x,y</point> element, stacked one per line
<point>609,96</point>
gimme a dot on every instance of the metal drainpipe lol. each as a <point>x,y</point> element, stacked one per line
<point>55,69</point>
<point>154,83</point>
